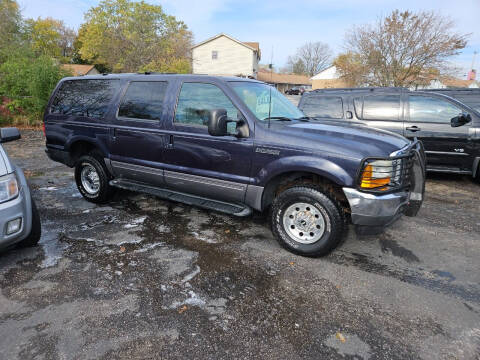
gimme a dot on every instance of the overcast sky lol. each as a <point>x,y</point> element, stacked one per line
<point>283,25</point>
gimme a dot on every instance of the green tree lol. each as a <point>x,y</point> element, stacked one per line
<point>400,48</point>
<point>129,36</point>
<point>50,37</point>
<point>10,26</point>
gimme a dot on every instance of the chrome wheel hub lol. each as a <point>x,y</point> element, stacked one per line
<point>90,179</point>
<point>304,223</point>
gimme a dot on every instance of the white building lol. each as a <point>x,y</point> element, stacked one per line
<point>225,55</point>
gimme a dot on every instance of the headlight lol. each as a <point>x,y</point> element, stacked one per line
<point>381,174</point>
<point>8,187</point>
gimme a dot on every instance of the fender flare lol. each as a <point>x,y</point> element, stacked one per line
<point>80,138</point>
<point>322,167</point>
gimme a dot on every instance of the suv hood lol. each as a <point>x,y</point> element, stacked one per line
<point>354,141</point>
<point>3,162</point>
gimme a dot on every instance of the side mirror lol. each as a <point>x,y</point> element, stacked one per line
<point>9,134</point>
<point>460,120</point>
<point>217,122</point>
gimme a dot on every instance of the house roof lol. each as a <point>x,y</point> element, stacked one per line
<point>453,82</point>
<point>78,69</point>
<point>275,78</point>
<point>255,46</point>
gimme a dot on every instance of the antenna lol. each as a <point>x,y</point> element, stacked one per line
<point>270,90</point>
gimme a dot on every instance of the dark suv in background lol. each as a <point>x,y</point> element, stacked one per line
<point>470,97</point>
<point>449,129</point>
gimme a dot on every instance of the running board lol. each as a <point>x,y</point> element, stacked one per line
<point>440,169</point>
<point>228,208</point>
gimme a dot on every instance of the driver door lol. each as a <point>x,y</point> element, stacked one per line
<point>216,167</point>
<point>429,119</point>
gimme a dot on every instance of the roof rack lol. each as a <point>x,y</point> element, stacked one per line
<point>372,89</point>
<point>451,89</point>
<point>156,73</point>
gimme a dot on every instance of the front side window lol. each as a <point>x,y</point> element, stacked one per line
<point>378,107</point>
<point>214,55</point>
<point>262,100</point>
<point>197,99</point>
<point>89,98</point>
<point>143,100</point>
<point>430,109</point>
<point>328,107</point>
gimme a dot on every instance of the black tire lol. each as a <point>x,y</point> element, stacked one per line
<point>333,220</point>
<point>95,161</point>
<point>36,232</point>
<point>477,176</point>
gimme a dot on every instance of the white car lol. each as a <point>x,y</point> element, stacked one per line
<point>19,218</point>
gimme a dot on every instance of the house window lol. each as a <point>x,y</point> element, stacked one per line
<point>214,55</point>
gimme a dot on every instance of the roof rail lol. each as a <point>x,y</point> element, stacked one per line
<point>155,73</point>
<point>373,89</point>
<point>451,89</point>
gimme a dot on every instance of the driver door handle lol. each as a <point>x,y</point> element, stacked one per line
<point>413,128</point>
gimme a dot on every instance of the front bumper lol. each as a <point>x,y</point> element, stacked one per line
<point>20,207</point>
<point>375,210</point>
<point>372,212</point>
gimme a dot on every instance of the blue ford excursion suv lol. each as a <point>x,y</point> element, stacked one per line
<point>232,145</point>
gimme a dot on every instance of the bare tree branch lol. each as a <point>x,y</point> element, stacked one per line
<point>310,59</point>
<point>400,49</point>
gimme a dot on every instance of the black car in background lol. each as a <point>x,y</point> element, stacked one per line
<point>470,97</point>
<point>296,90</point>
<point>449,129</point>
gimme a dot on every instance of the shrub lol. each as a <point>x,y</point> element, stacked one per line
<point>27,82</point>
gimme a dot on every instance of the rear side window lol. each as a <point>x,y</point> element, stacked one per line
<point>143,100</point>
<point>84,97</point>
<point>378,107</point>
<point>330,107</point>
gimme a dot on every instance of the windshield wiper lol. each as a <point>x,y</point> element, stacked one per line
<point>303,118</point>
<point>281,118</point>
<point>284,118</point>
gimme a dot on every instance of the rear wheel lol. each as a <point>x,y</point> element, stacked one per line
<point>306,222</point>
<point>35,233</point>
<point>92,178</point>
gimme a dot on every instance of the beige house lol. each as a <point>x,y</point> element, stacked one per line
<point>284,82</point>
<point>79,70</point>
<point>225,55</point>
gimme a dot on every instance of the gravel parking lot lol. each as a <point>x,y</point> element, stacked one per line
<point>146,278</point>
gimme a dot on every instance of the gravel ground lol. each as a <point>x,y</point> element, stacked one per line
<point>147,278</point>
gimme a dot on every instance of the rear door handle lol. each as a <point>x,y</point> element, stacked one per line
<point>170,142</point>
<point>413,128</point>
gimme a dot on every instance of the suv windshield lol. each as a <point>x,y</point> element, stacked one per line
<point>263,100</point>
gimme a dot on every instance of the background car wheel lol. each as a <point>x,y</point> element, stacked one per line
<point>34,237</point>
<point>477,176</point>
<point>306,222</point>
<point>92,178</point>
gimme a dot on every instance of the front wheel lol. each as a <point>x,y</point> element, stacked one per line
<point>306,222</point>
